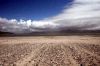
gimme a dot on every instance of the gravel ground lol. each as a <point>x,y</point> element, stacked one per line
<point>50,51</point>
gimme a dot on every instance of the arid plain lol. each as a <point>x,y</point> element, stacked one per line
<point>50,51</point>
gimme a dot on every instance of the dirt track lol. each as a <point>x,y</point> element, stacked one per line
<point>50,51</point>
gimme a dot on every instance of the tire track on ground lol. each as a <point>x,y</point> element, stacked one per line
<point>68,53</point>
<point>60,54</point>
<point>27,59</point>
<point>86,57</point>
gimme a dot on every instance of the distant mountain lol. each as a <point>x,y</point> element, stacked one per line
<point>5,33</point>
<point>80,31</point>
<point>54,33</point>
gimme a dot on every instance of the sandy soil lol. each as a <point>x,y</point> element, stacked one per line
<point>50,51</point>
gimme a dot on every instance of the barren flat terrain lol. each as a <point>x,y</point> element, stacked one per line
<point>50,51</point>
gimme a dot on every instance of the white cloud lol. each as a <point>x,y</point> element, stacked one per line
<point>82,15</point>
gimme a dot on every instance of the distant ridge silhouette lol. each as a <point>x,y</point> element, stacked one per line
<point>54,33</point>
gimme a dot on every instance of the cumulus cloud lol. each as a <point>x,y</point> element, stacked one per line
<point>27,26</point>
<point>81,15</point>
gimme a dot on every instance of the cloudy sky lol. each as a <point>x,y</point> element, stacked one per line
<point>22,16</point>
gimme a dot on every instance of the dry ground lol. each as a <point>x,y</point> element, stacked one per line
<point>50,51</point>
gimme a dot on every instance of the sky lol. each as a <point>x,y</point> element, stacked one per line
<point>22,16</point>
<point>31,9</point>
